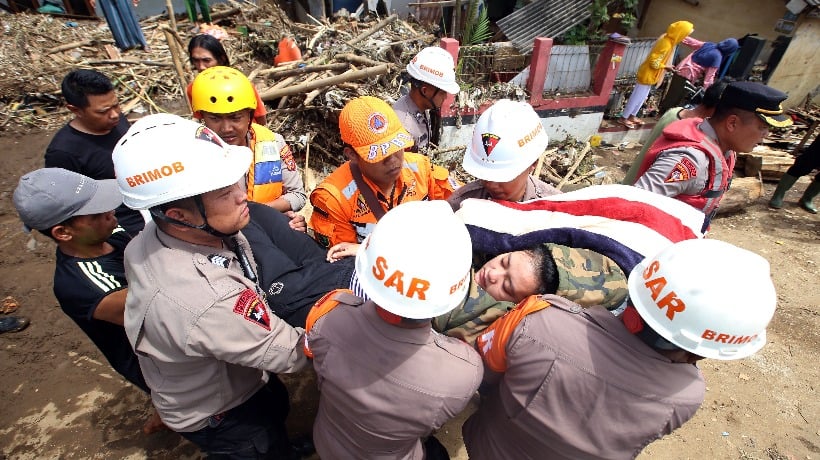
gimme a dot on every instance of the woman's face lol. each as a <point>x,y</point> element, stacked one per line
<point>509,277</point>
<point>202,59</point>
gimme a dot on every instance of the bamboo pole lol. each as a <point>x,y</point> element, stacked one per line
<point>172,47</point>
<point>356,59</point>
<point>380,25</point>
<point>278,73</point>
<point>305,87</point>
<point>169,5</point>
<point>69,46</point>
<point>126,61</point>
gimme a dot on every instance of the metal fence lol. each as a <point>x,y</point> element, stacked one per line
<point>570,66</point>
<point>634,55</point>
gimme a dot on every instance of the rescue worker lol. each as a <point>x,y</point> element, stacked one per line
<point>378,176</point>
<point>386,407</point>
<point>507,141</point>
<point>432,78</point>
<point>194,312</point>
<point>693,159</point>
<point>224,99</point>
<point>631,379</point>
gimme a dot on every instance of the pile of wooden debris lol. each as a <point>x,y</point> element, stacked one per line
<point>343,58</point>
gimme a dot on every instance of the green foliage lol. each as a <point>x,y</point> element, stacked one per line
<point>477,25</point>
<point>601,12</point>
<point>578,35</point>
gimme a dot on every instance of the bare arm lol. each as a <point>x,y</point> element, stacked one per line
<point>112,307</point>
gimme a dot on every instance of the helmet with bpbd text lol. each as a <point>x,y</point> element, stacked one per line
<point>435,66</point>
<point>707,297</point>
<point>164,158</point>
<point>222,90</point>
<point>411,271</point>
<point>372,128</point>
<point>507,139</point>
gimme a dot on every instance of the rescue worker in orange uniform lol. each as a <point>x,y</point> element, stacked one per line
<point>378,176</point>
<point>224,99</point>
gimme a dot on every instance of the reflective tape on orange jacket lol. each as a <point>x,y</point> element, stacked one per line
<point>492,344</point>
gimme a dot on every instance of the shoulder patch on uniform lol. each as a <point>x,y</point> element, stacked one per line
<point>287,157</point>
<point>685,169</point>
<point>219,261</point>
<point>252,308</point>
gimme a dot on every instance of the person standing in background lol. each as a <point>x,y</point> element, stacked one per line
<point>85,143</point>
<point>206,51</point>
<point>651,72</point>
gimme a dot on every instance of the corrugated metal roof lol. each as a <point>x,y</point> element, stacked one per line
<point>542,18</point>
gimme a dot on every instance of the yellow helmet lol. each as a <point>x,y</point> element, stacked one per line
<point>222,90</point>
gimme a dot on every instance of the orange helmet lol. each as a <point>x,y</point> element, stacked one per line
<point>373,129</point>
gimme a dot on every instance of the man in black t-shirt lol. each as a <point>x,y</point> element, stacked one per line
<point>77,212</point>
<point>85,143</point>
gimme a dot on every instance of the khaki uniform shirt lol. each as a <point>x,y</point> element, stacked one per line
<point>202,333</point>
<point>579,385</point>
<point>536,188</point>
<point>383,388</point>
<point>414,121</point>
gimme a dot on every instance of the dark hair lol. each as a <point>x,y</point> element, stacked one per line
<point>212,44</point>
<point>544,266</point>
<point>723,112</point>
<point>48,231</point>
<point>711,96</point>
<point>78,84</point>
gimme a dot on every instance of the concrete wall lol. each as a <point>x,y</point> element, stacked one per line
<point>714,20</point>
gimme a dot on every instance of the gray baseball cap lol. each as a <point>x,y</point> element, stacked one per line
<point>48,196</point>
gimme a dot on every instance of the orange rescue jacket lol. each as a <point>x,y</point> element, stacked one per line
<point>340,213</point>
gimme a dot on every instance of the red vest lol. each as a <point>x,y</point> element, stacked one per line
<point>686,133</point>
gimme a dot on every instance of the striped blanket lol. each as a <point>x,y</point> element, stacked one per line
<point>622,222</point>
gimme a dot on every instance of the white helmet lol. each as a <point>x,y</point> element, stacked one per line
<point>164,157</point>
<point>416,262</point>
<point>507,139</point>
<point>435,66</point>
<point>707,297</point>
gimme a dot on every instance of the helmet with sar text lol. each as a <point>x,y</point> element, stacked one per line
<point>507,139</point>
<point>435,66</point>
<point>222,90</point>
<point>164,158</point>
<point>707,297</point>
<point>411,271</point>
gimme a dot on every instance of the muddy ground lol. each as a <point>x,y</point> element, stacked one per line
<point>60,399</point>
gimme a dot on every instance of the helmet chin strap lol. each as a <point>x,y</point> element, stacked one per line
<point>229,239</point>
<point>204,227</point>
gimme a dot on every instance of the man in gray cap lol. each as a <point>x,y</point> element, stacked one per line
<point>693,159</point>
<point>77,213</point>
